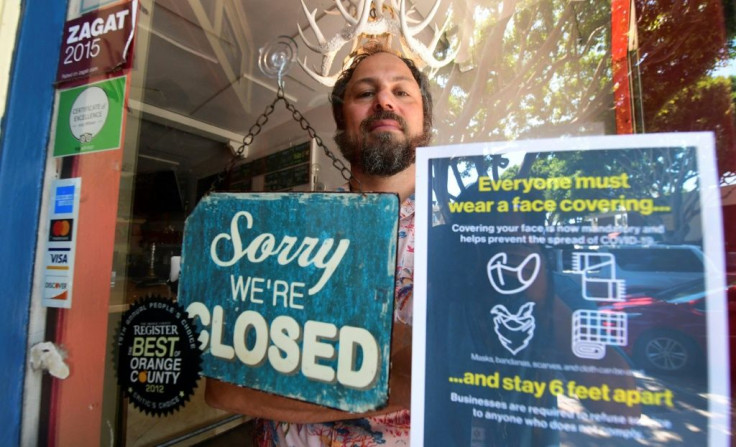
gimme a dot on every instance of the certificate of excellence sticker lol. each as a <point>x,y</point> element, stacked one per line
<point>158,360</point>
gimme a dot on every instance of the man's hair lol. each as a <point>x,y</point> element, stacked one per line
<point>338,92</point>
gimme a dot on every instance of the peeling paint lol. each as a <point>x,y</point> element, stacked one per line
<point>265,321</point>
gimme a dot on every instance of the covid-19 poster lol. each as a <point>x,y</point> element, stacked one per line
<point>570,292</point>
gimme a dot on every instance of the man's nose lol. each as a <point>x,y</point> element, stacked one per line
<point>383,101</point>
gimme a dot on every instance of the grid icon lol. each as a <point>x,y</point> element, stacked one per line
<point>593,330</point>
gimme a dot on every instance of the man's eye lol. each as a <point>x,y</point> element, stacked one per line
<point>365,94</point>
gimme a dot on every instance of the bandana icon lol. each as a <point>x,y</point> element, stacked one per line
<point>514,331</point>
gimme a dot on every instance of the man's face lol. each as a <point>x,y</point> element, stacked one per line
<point>384,118</point>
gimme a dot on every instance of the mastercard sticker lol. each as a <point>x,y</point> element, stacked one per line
<point>61,230</point>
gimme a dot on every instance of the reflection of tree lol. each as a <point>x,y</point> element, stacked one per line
<point>543,69</point>
<point>681,42</point>
<point>662,174</point>
<point>540,64</point>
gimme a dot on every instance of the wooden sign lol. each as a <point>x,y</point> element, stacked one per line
<point>293,293</point>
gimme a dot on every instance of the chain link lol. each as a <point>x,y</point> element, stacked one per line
<point>261,121</point>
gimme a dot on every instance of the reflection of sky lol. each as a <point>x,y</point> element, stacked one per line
<point>725,68</point>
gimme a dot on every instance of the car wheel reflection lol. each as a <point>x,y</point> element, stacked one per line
<point>666,352</point>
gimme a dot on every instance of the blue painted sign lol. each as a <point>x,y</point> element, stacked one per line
<point>294,293</point>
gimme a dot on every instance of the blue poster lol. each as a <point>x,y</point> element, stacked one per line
<point>293,293</point>
<point>570,292</point>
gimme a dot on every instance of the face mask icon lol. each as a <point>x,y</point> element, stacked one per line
<point>508,279</point>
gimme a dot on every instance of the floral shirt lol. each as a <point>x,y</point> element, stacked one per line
<point>386,430</point>
<point>405,263</point>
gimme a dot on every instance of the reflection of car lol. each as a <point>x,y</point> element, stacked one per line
<point>658,266</point>
<point>667,329</point>
<point>641,269</point>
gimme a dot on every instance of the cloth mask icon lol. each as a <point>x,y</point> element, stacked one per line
<point>507,279</point>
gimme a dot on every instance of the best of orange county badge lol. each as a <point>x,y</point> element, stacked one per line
<point>158,355</point>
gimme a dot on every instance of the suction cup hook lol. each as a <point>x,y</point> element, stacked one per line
<point>276,57</point>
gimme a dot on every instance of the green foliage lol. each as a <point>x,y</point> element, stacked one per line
<point>544,65</point>
<point>543,69</point>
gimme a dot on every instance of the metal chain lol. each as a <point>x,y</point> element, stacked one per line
<point>261,121</point>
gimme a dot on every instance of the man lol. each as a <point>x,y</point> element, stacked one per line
<point>383,112</point>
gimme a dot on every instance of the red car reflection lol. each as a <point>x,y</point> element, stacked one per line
<point>667,329</point>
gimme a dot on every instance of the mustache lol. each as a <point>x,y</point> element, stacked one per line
<point>382,115</point>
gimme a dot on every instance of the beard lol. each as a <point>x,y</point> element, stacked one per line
<point>381,154</point>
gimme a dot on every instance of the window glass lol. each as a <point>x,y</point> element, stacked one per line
<point>525,69</point>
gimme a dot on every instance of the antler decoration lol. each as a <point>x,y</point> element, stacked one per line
<point>376,20</point>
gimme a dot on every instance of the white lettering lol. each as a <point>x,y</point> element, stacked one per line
<point>350,339</point>
<point>97,27</point>
<point>86,32</point>
<point>262,247</point>
<point>199,310</point>
<point>285,332</point>
<point>321,345</point>
<point>110,24</point>
<point>73,38</point>
<point>217,348</point>
<point>247,320</point>
<point>121,15</point>
<point>314,349</point>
